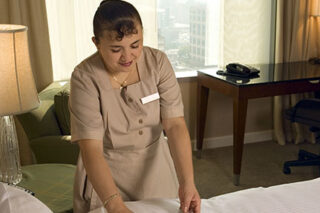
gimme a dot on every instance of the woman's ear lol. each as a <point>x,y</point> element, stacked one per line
<point>96,42</point>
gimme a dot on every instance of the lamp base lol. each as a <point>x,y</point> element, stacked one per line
<point>10,169</point>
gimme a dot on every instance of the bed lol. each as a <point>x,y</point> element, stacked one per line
<point>299,197</point>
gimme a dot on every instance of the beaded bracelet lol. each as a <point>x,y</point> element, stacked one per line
<point>105,203</point>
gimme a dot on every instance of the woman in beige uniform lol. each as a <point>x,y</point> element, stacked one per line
<point>122,98</point>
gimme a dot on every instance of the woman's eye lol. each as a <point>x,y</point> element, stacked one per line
<point>115,50</point>
<point>135,46</point>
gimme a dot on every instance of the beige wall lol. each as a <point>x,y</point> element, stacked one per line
<point>219,114</point>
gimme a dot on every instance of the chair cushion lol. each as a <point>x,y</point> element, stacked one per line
<point>55,149</point>
<point>42,121</point>
<point>61,100</point>
<point>306,111</point>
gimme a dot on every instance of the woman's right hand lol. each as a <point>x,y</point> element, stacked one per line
<point>123,209</point>
<point>117,206</point>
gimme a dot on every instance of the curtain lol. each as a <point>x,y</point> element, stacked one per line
<point>33,15</point>
<point>297,39</point>
<point>71,30</point>
<point>245,37</point>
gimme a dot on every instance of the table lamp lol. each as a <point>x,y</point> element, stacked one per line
<point>315,12</point>
<point>18,94</point>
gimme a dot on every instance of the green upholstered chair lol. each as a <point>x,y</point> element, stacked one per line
<point>48,126</point>
<point>51,183</point>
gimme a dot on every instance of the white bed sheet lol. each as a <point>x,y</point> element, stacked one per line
<point>299,197</point>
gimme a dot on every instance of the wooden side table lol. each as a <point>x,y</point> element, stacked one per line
<point>273,80</point>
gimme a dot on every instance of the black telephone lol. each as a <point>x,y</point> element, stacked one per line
<point>240,70</point>
<point>314,60</point>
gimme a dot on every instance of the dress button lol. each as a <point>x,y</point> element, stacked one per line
<point>140,132</point>
<point>130,99</point>
<point>140,121</point>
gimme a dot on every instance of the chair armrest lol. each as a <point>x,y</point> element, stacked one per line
<point>55,149</point>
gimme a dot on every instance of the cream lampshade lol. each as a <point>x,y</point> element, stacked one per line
<point>18,94</point>
<point>315,10</point>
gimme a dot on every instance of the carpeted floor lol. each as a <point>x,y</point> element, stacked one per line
<point>261,166</point>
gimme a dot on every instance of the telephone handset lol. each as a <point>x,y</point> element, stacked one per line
<point>240,70</point>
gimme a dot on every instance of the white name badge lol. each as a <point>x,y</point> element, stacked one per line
<point>150,98</point>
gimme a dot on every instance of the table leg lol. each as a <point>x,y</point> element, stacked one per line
<point>203,94</point>
<point>239,124</point>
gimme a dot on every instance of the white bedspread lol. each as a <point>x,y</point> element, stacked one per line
<point>300,197</point>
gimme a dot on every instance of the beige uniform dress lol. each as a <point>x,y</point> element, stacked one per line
<point>134,146</point>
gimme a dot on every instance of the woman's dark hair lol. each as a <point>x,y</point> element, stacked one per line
<point>118,16</point>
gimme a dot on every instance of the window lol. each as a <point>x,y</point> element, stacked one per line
<point>189,19</point>
<point>194,34</point>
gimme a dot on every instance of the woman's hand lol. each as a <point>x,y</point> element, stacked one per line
<point>189,198</point>
<point>117,206</point>
<point>180,149</point>
<point>122,209</point>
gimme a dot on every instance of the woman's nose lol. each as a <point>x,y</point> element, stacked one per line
<point>125,55</point>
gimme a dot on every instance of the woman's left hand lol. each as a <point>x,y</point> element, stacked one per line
<point>189,199</point>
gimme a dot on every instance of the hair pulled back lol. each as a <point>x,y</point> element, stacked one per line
<point>116,16</point>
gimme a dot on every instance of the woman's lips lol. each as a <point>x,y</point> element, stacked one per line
<point>127,64</point>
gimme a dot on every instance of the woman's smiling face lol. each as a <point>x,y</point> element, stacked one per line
<point>120,55</point>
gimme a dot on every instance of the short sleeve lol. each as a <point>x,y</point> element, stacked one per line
<point>170,96</point>
<point>84,104</point>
